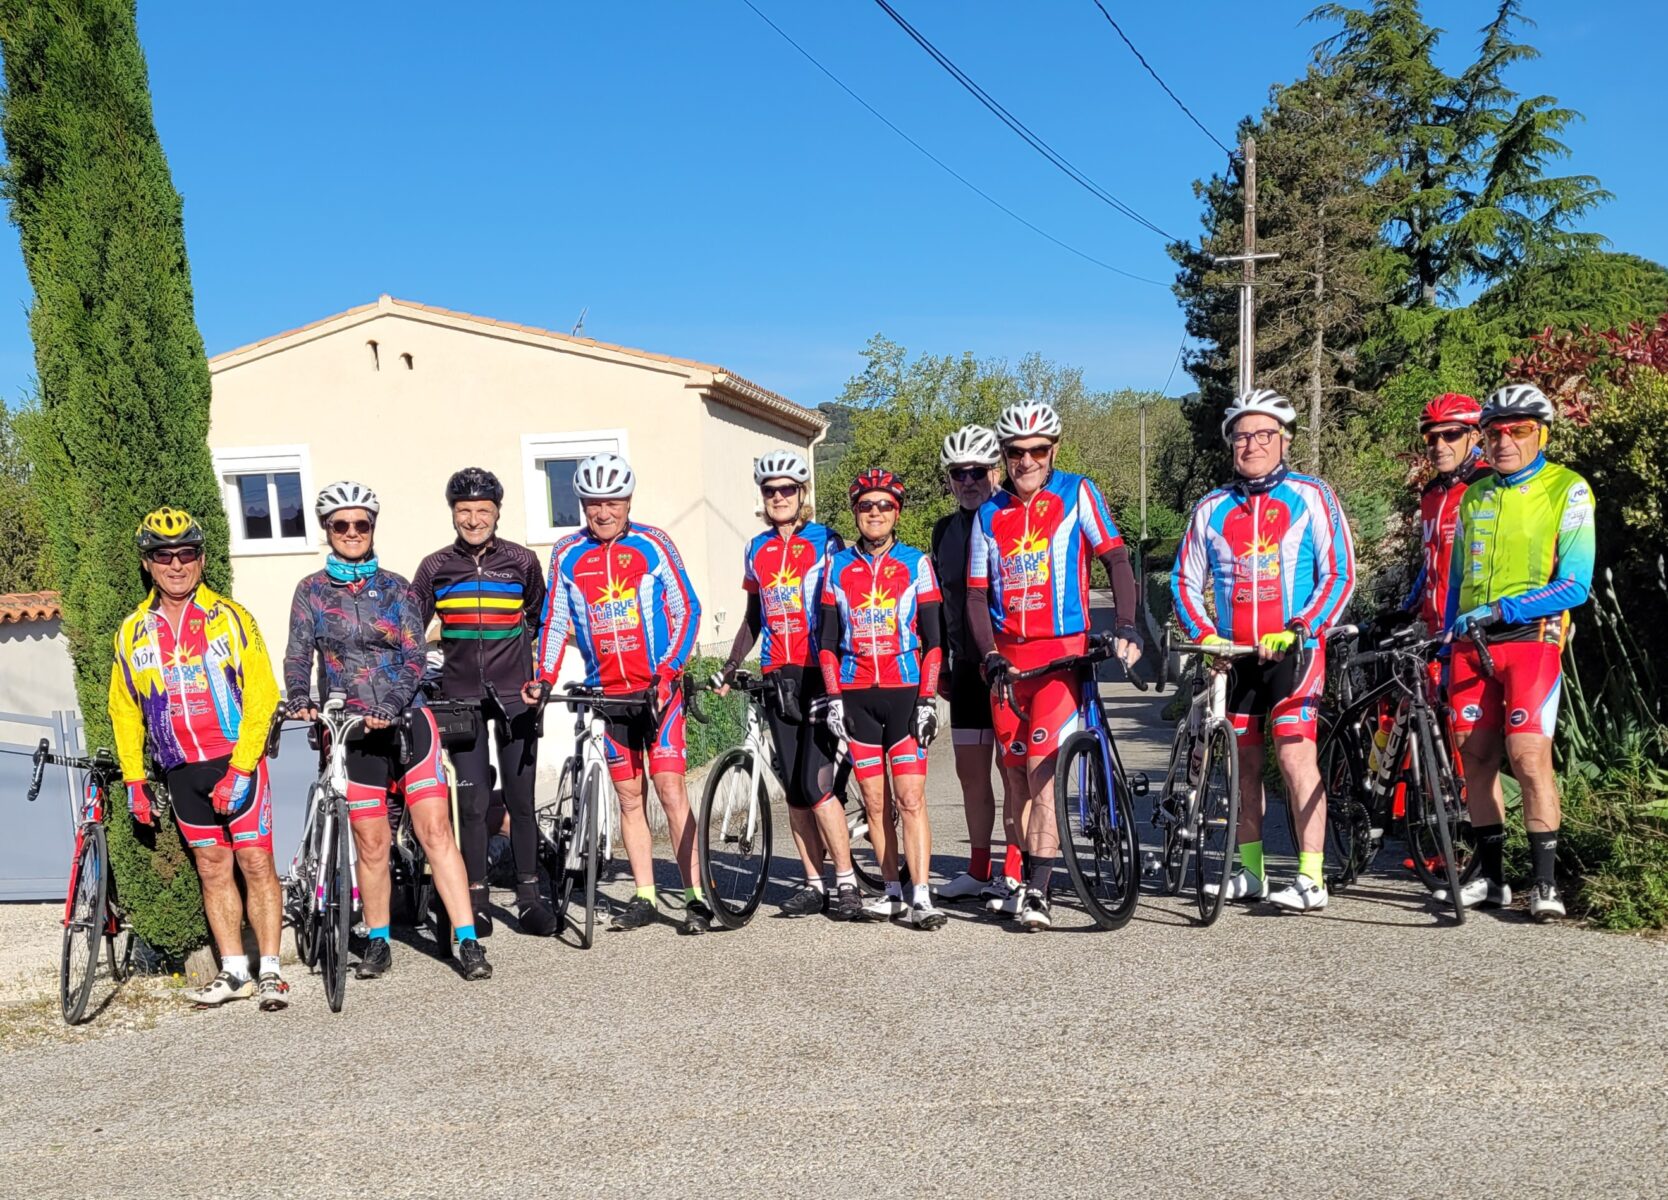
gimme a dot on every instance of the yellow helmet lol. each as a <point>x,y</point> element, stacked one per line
<point>168,527</point>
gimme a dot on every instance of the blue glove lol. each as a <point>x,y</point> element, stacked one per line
<point>1480,616</point>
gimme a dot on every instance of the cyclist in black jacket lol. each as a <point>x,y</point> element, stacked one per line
<point>489,593</point>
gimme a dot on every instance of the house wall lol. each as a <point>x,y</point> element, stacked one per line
<point>36,675</point>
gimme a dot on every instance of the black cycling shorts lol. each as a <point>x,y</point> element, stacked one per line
<point>880,728</point>
<point>1275,689</point>
<point>374,764</point>
<point>969,697</point>
<point>190,789</point>
<point>804,746</point>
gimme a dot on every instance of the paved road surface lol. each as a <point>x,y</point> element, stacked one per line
<point>1368,1051</point>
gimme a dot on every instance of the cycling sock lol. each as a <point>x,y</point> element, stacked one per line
<point>894,890</point>
<point>647,893</point>
<point>1024,866</point>
<point>845,879</point>
<point>1491,852</point>
<point>270,965</point>
<point>1251,857</point>
<point>1011,863</point>
<point>464,933</point>
<point>1041,869</point>
<point>1309,862</point>
<point>921,895</point>
<point>235,965</point>
<point>978,865</point>
<point>376,932</point>
<point>1543,854</point>
<point>815,883</point>
<point>695,893</point>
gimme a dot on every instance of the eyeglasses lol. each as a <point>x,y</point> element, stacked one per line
<point>1516,430</point>
<point>185,555</point>
<point>1450,436</point>
<point>968,474</point>
<point>771,491</point>
<point>1035,453</point>
<point>881,506</point>
<point>1260,437</point>
<point>339,528</point>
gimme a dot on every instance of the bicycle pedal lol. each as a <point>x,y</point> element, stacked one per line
<point>1138,783</point>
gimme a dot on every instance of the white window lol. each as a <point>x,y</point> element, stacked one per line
<point>547,465</point>
<point>268,495</point>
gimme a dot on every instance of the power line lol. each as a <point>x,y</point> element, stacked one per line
<point>1143,61</point>
<point>1018,126</point>
<point>1174,363</point>
<point>949,170</point>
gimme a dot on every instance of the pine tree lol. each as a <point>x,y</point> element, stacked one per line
<point>124,383</point>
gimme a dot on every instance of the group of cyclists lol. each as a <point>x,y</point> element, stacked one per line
<point>858,643</point>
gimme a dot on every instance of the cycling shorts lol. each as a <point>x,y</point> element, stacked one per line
<point>880,731</point>
<point>374,764</point>
<point>970,723</point>
<point>190,786</point>
<point>1523,695</point>
<point>1044,712</point>
<point>631,740</point>
<point>805,749</point>
<point>1275,690</point>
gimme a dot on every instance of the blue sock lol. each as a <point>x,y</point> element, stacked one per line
<point>464,933</point>
<point>379,931</point>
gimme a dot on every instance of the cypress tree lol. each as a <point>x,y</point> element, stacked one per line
<point>124,383</point>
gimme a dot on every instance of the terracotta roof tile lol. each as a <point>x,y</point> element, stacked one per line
<point>28,606</point>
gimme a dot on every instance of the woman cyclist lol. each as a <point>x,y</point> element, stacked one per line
<point>361,626</point>
<point>783,571</point>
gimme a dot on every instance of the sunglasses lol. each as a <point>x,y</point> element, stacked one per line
<point>869,506</point>
<point>968,474</point>
<point>1450,436</point>
<point>1034,453</point>
<point>773,491</point>
<point>345,526</point>
<point>1260,437</point>
<point>1516,430</point>
<point>185,554</point>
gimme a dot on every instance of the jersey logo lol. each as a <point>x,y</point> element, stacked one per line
<point>615,609</point>
<point>876,616</point>
<point>1026,563</point>
<point>784,593</point>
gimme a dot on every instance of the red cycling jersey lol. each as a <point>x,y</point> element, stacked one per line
<point>880,623</point>
<point>1439,506</point>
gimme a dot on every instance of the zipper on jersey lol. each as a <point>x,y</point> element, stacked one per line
<point>1256,567</point>
<point>480,661</point>
<point>613,617</point>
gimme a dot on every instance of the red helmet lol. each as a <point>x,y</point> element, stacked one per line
<point>1450,408</point>
<point>878,479</point>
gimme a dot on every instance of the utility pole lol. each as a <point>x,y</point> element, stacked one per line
<point>1143,472</point>
<point>1248,263</point>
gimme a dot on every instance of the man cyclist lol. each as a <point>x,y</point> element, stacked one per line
<point>783,571</point>
<point>879,649</point>
<point>359,623</point>
<point>1453,447</point>
<point>968,458</point>
<point>1522,558</point>
<point>1273,553</point>
<point>488,593</point>
<point>192,685</point>
<point>1028,604</point>
<point>619,591</point>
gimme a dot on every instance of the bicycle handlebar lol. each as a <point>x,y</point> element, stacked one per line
<point>99,760</point>
<point>1216,649</point>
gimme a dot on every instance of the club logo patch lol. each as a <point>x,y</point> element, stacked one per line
<point>1016,747</point>
<point>1520,716</point>
<point>1472,712</point>
<point>1039,736</point>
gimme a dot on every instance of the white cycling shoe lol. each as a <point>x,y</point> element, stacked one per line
<point>884,908</point>
<point>223,987</point>
<point>1242,885</point>
<point>1300,895</point>
<point>962,887</point>
<point>1009,903</point>
<point>923,915</point>
<point>1479,892</point>
<point>1544,903</point>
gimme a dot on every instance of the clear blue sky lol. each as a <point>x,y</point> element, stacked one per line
<point>682,173</point>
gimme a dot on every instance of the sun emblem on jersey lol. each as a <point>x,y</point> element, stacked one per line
<point>616,608</point>
<point>180,674</point>
<point>1026,562</point>
<point>876,615</point>
<point>1261,561</point>
<point>784,593</point>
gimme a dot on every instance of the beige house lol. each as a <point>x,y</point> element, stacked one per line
<point>398,395</point>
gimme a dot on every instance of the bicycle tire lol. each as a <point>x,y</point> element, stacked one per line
<point>1348,824</point>
<point>556,824</point>
<point>735,867</point>
<point>337,920</point>
<point>83,926</point>
<point>592,834</point>
<point>1216,819</point>
<point>307,881</point>
<point>865,863</point>
<point>1174,799</point>
<point>1430,825</point>
<point>1097,832</point>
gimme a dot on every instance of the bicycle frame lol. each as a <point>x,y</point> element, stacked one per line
<point>327,803</point>
<point>761,775</point>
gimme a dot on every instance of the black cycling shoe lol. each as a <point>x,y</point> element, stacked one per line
<point>480,900</point>
<point>536,917</point>
<point>376,959</point>
<point>635,915</point>
<point>697,917</point>
<point>806,902</point>
<point>847,905</point>
<point>472,961</point>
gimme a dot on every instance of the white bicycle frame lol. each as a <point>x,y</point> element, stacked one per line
<point>332,783</point>
<point>590,730</point>
<point>761,781</point>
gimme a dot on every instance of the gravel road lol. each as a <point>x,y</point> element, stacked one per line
<point>1367,1051</point>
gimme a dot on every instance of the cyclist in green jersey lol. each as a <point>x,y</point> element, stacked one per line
<point>1522,558</point>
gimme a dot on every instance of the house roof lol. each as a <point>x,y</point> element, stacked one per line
<point>710,379</point>
<point>28,606</point>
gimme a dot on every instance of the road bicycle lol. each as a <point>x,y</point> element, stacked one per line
<point>92,910</point>
<point>1094,797</point>
<point>733,830</point>
<point>1198,805</point>
<point>456,721</point>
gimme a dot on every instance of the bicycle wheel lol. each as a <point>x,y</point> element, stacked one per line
<point>337,919</point>
<point>733,839</point>
<point>556,820</point>
<point>83,926</point>
<point>303,901</point>
<point>1171,812</point>
<point>589,834</point>
<point>1432,811</point>
<point>1097,832</point>
<point>1215,819</point>
<point>1348,824</point>
<point>864,862</point>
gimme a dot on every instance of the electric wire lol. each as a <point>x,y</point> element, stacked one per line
<point>1143,61</point>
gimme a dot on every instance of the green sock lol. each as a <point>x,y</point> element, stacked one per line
<point>648,893</point>
<point>693,893</point>
<point>1309,863</point>
<point>1251,857</point>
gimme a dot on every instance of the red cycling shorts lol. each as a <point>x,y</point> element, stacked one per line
<point>631,741</point>
<point>1044,712</point>
<point>1523,695</point>
<point>374,765</point>
<point>1275,690</point>
<point>190,789</point>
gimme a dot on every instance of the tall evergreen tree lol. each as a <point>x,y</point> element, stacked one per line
<point>124,383</point>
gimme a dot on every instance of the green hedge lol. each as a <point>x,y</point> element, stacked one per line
<point>726,722</point>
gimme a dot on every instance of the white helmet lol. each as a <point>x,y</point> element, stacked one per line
<point>603,477</point>
<point>970,444</point>
<point>1517,400</point>
<point>1029,418</point>
<point>346,494</point>
<point>1260,400</point>
<point>781,464</point>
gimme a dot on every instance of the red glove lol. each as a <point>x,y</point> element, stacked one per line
<point>232,791</point>
<point>139,801</point>
<point>665,687</point>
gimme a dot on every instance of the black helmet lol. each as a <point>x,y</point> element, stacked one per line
<point>474,483</point>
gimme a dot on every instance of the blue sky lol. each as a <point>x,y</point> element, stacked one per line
<point>683,174</point>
